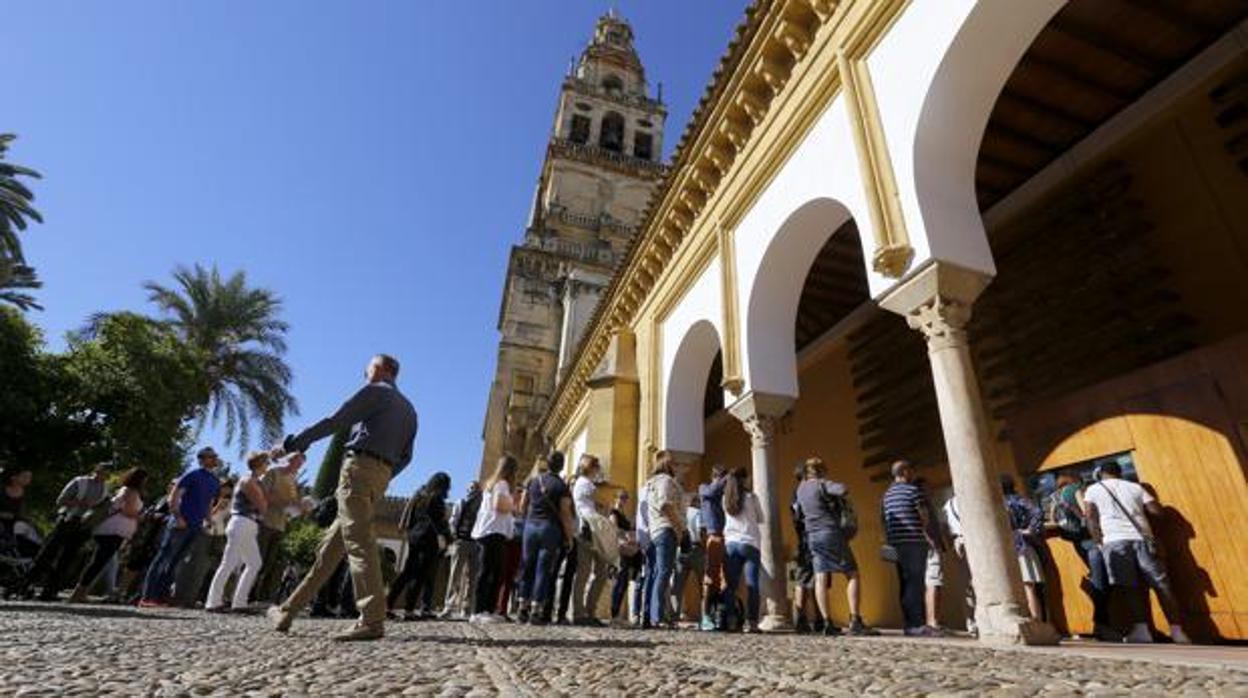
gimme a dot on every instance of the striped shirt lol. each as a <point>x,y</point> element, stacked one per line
<point>902,521</point>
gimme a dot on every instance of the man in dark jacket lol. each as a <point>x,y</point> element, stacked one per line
<point>383,429</point>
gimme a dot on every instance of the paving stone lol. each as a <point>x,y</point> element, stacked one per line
<point>96,650</point>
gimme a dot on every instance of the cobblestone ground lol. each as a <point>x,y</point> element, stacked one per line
<point>99,650</point>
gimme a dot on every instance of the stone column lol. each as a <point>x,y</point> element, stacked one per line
<point>759,413</point>
<point>937,302</point>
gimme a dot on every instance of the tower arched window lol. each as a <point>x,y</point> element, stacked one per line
<point>580,129</point>
<point>611,135</point>
<point>613,84</point>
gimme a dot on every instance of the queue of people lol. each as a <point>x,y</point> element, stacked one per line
<point>532,550</point>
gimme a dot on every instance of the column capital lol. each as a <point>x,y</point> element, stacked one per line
<point>758,414</point>
<point>936,300</point>
<point>933,280</point>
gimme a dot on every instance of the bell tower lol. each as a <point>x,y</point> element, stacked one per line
<point>602,164</point>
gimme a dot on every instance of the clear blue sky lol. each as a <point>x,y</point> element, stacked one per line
<point>369,161</point>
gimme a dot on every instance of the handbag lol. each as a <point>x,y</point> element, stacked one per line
<point>1150,543</point>
<point>889,554</point>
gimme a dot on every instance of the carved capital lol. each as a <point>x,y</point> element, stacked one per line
<point>761,428</point>
<point>759,414</point>
<point>942,321</point>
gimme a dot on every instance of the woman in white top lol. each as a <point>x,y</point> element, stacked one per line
<point>121,523</point>
<point>242,548</point>
<point>741,538</point>
<point>591,566</point>
<point>495,524</point>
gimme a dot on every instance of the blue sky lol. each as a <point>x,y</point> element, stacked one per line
<point>369,161</point>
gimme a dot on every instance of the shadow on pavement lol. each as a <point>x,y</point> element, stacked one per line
<point>567,643</point>
<point>84,611</point>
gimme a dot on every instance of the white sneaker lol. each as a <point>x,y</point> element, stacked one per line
<point>1139,635</point>
<point>476,618</point>
<point>1179,637</point>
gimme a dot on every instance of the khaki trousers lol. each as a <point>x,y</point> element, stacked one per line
<point>362,483</point>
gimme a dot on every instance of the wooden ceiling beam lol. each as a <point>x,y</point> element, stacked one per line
<point>1074,77</point>
<point>1099,41</point>
<point>1048,111</point>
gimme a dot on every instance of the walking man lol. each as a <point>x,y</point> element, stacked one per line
<point>461,584</point>
<point>281,491</point>
<point>70,533</point>
<point>383,428</point>
<point>189,504</point>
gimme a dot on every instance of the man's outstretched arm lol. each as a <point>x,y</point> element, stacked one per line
<point>355,409</point>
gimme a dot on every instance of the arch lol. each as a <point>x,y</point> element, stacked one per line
<point>611,132</point>
<point>970,75</point>
<point>776,292</point>
<point>683,418</point>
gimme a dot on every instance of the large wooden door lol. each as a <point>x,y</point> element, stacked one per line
<point>1181,421</point>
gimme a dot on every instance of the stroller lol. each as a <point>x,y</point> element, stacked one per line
<point>19,544</point>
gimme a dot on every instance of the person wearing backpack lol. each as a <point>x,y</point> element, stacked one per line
<point>1117,512</point>
<point>1066,517</point>
<point>830,523</point>
<point>907,530</point>
<point>428,533</point>
<point>547,506</point>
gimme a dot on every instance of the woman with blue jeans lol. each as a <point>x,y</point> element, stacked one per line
<point>664,511</point>
<point>547,504</point>
<point>741,538</point>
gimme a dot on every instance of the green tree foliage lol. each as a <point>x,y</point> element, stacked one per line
<point>16,212</point>
<point>299,543</point>
<point>37,431</point>
<point>138,385</point>
<point>16,280</point>
<point>238,333</point>
<point>124,393</point>
<point>331,466</point>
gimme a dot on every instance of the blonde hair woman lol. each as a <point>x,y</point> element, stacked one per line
<point>241,547</point>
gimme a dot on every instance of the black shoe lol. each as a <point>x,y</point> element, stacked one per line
<point>802,628</point>
<point>221,610</point>
<point>321,612</point>
<point>538,619</point>
<point>831,630</point>
<point>523,616</point>
<point>859,629</point>
<point>818,626</point>
<point>562,620</point>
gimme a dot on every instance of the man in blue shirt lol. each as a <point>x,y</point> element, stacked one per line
<point>906,526</point>
<point>383,429</point>
<point>189,505</point>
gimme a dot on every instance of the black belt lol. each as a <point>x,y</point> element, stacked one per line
<point>371,454</point>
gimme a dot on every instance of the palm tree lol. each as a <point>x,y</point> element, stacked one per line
<point>15,280</point>
<point>242,339</point>
<point>15,213</point>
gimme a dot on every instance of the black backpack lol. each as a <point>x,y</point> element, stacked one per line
<point>467,517</point>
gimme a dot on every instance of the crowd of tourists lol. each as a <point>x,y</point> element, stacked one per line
<point>180,550</point>
<point>545,549</point>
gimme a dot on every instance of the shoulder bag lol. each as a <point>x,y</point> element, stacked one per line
<point>1150,543</point>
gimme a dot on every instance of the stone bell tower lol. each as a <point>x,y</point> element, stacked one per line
<point>601,166</point>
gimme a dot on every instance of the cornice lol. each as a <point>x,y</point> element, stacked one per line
<point>746,91</point>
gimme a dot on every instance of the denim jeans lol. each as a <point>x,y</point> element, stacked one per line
<point>912,573</point>
<point>1098,579</point>
<point>741,556</point>
<point>173,546</point>
<point>641,594</point>
<point>664,565</point>
<point>542,538</point>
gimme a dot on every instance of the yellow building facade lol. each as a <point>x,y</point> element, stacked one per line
<point>986,236</point>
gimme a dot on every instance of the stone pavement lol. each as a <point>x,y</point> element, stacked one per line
<point>108,650</point>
